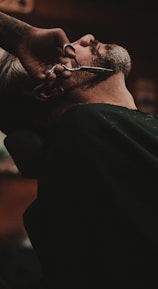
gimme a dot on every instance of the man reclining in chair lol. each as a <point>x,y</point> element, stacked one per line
<point>95,157</point>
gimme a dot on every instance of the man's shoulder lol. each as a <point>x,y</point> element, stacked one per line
<point>87,110</point>
<point>109,111</point>
<point>85,116</point>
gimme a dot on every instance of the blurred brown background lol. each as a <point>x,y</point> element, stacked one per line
<point>132,24</point>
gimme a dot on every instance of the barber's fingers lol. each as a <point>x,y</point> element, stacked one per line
<point>58,71</point>
<point>59,43</point>
<point>52,87</point>
<point>66,48</point>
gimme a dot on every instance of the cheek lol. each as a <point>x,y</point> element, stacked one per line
<point>78,80</point>
<point>83,55</point>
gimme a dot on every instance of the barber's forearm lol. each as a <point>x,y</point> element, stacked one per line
<point>12,32</point>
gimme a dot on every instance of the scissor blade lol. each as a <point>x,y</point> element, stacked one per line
<point>93,69</point>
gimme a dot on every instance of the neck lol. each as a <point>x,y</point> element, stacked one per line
<point>111,91</point>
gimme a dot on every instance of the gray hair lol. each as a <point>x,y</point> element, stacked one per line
<point>119,59</point>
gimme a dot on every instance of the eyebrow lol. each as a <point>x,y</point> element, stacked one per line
<point>93,47</point>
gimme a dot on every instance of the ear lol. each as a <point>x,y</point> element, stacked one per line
<point>45,91</point>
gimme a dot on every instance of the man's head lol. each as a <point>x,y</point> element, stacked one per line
<point>20,110</point>
<point>105,55</point>
<point>90,52</point>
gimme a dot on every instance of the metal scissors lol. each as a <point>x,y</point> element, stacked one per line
<point>79,67</point>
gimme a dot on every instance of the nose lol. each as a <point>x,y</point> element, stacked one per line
<point>84,40</point>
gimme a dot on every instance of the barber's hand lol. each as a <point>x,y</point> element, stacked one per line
<point>39,50</point>
<point>52,86</point>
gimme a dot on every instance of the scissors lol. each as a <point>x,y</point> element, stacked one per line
<point>79,67</point>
